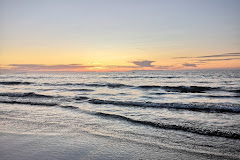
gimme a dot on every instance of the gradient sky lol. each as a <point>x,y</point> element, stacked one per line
<point>119,35</point>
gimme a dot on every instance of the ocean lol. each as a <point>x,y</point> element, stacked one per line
<point>193,112</point>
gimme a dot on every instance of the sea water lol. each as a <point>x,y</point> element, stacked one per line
<point>192,111</point>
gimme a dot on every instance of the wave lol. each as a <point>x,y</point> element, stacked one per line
<point>15,83</point>
<point>131,77</point>
<point>149,87</point>
<point>29,94</point>
<point>82,90</point>
<point>69,107</point>
<point>134,77</point>
<point>172,126</point>
<point>29,103</point>
<point>106,94</point>
<point>45,89</point>
<point>193,106</point>
<point>160,93</point>
<point>204,82</point>
<point>181,89</point>
<point>81,98</point>
<point>213,96</point>
<point>117,85</point>
<point>38,104</point>
<point>110,85</point>
<point>236,91</point>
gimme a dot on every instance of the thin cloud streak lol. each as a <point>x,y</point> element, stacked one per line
<point>221,55</point>
<point>163,67</point>
<point>42,67</point>
<point>213,56</point>
<point>209,60</point>
<point>190,65</point>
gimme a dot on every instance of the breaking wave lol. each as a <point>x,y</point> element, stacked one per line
<point>193,106</point>
<point>172,126</point>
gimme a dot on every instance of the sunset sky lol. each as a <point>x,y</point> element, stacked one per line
<point>119,35</point>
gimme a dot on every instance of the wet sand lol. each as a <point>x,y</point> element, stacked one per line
<point>82,146</point>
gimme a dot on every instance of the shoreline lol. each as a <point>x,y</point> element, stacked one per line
<point>28,146</point>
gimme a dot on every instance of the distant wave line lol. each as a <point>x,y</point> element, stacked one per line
<point>37,104</point>
<point>181,89</point>
<point>28,94</point>
<point>15,83</point>
<point>133,77</point>
<point>28,103</point>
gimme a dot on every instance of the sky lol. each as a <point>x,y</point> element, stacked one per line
<point>119,35</point>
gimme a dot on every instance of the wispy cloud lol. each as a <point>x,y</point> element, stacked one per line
<point>221,55</point>
<point>63,67</point>
<point>190,65</point>
<point>218,59</point>
<point>199,60</point>
<point>138,65</point>
<point>42,67</point>
<point>133,65</point>
<point>164,67</point>
<point>144,63</point>
<point>213,56</point>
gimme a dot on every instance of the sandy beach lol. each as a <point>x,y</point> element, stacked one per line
<point>82,146</point>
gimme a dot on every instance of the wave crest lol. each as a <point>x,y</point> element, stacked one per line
<point>29,103</point>
<point>29,94</point>
<point>173,126</point>
<point>181,89</point>
<point>193,106</point>
<point>15,83</point>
